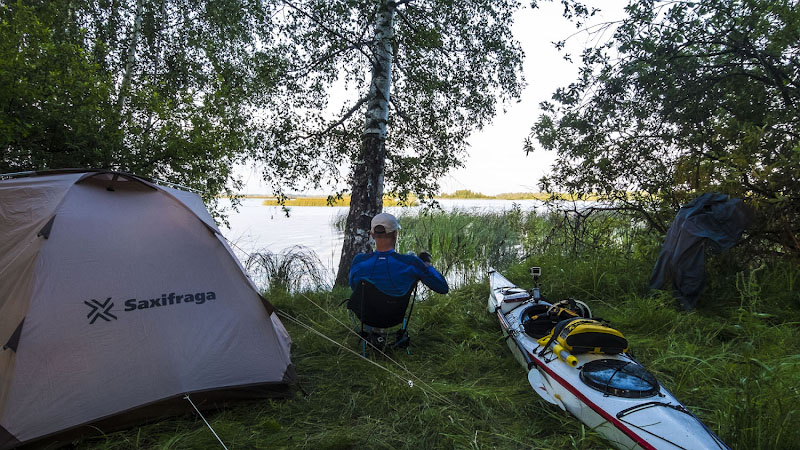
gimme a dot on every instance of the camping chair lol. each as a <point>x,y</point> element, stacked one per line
<point>377,312</point>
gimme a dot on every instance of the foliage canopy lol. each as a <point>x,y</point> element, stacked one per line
<point>184,89</point>
<point>165,89</point>
<point>687,97</point>
<point>452,65</point>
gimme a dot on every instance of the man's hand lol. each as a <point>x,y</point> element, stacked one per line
<point>426,258</point>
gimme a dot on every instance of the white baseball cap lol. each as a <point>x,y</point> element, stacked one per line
<point>386,221</point>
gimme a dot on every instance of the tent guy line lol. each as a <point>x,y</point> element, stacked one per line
<point>410,382</point>
<point>385,355</point>
<point>206,422</point>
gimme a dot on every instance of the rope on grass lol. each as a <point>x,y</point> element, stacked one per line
<point>410,382</point>
<point>402,366</point>
<point>186,396</point>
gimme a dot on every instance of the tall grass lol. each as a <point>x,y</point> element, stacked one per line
<point>733,360</point>
<point>738,372</point>
<point>464,243</point>
<point>293,269</point>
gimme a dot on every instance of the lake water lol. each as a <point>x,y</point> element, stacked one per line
<point>257,228</point>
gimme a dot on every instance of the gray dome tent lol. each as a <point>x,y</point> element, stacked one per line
<point>117,297</point>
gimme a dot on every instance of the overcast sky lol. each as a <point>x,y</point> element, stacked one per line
<point>496,161</point>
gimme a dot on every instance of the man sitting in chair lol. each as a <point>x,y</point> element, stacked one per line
<point>391,272</point>
<point>382,284</point>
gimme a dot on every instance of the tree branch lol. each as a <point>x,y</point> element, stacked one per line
<point>326,28</point>
<point>400,3</point>
<point>346,116</point>
<point>331,55</point>
<point>413,28</point>
<point>404,116</point>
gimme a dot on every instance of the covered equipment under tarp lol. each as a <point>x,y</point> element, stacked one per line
<point>711,220</point>
<point>117,297</point>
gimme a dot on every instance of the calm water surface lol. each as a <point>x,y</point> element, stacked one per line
<point>258,228</point>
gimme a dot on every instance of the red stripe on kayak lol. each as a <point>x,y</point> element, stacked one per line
<point>614,421</point>
<point>502,320</point>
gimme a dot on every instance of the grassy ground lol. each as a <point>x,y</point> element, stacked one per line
<point>734,364</point>
<point>733,361</point>
<point>467,392</point>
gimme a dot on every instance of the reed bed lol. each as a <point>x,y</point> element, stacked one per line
<point>294,269</point>
<point>464,243</point>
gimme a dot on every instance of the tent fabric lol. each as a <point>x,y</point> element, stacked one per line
<point>13,341</point>
<point>134,298</point>
<point>6,439</point>
<point>712,220</point>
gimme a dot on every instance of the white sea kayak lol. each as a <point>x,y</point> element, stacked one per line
<point>610,393</point>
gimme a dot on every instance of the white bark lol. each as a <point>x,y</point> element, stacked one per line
<point>378,106</point>
<point>131,57</point>
<point>368,167</point>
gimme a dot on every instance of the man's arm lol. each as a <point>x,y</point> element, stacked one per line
<point>433,279</point>
<point>425,272</point>
<point>428,274</point>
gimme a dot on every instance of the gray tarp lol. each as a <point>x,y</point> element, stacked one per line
<point>130,299</point>
<point>714,221</point>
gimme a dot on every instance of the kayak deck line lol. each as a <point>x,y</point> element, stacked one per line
<point>627,417</point>
<point>604,414</point>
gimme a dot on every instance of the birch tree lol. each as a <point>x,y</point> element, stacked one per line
<point>420,76</point>
<point>184,89</point>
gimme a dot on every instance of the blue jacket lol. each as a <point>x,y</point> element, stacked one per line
<point>393,273</point>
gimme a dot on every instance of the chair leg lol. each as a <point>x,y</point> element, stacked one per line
<point>402,340</point>
<point>380,341</point>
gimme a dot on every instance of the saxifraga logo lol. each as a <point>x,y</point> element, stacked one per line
<point>169,300</point>
<point>100,310</point>
<point>103,310</point>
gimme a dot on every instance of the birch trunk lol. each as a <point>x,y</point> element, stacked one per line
<point>125,83</point>
<point>367,169</point>
<point>130,58</point>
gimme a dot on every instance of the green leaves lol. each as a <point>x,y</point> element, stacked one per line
<point>51,96</point>
<point>688,98</point>
<point>166,89</point>
<point>452,65</point>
